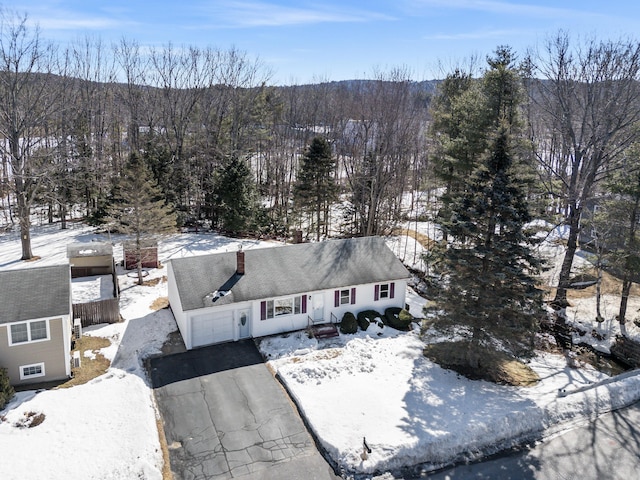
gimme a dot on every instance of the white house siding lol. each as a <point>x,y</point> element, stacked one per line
<point>365,300</point>
<point>220,324</point>
<point>281,324</point>
<point>176,308</point>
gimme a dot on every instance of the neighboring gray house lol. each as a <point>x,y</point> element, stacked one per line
<point>36,324</point>
<point>229,296</point>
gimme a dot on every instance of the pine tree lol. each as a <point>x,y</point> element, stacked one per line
<point>488,268</point>
<point>233,197</point>
<point>6,390</point>
<point>459,132</point>
<point>138,208</point>
<point>618,216</point>
<point>315,188</point>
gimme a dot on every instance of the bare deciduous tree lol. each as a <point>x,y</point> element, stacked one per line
<point>588,98</point>
<point>27,100</point>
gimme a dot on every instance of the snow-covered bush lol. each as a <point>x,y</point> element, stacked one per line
<point>349,323</point>
<point>367,317</point>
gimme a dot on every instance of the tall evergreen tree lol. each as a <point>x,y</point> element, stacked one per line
<point>233,197</point>
<point>488,268</point>
<point>458,128</point>
<point>315,188</point>
<point>138,208</point>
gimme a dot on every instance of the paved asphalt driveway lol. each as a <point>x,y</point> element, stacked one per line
<point>225,416</point>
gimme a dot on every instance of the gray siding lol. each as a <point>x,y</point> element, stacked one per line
<point>51,352</point>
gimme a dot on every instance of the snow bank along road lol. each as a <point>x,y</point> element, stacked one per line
<point>607,448</point>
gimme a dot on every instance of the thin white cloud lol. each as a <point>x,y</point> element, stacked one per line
<point>505,7</point>
<point>79,23</point>
<point>260,14</point>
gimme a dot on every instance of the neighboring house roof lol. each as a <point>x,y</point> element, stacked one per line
<point>34,293</point>
<point>287,270</point>
<point>89,249</point>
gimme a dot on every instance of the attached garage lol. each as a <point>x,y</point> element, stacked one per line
<point>212,328</point>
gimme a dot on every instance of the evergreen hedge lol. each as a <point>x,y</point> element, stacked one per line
<point>398,318</point>
<point>6,390</point>
<point>349,324</point>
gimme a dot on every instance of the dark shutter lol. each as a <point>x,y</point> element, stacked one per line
<point>304,304</point>
<point>376,293</point>
<point>392,290</point>
<point>337,298</point>
<point>263,310</point>
<point>353,295</point>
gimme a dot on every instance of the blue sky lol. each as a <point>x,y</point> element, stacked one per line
<point>304,41</point>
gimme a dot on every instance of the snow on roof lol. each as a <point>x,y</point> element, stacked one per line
<point>89,249</point>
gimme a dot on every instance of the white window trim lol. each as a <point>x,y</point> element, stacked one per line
<point>29,341</point>
<point>387,293</point>
<point>271,307</point>
<point>347,297</point>
<point>35,375</point>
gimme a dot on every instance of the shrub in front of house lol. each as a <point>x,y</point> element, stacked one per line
<point>6,390</point>
<point>398,318</point>
<point>366,318</point>
<point>349,324</point>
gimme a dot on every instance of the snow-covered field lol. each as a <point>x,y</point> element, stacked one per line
<point>374,384</point>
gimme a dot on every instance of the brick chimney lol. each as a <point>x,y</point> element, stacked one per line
<point>240,262</point>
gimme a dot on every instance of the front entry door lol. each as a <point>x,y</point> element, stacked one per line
<point>318,307</point>
<point>244,323</point>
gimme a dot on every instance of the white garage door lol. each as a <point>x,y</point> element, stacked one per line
<point>208,329</point>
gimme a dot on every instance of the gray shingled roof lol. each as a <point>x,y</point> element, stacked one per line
<point>34,293</point>
<point>287,270</point>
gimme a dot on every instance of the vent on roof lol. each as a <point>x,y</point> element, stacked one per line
<point>218,294</point>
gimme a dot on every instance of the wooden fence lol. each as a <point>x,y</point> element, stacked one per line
<point>100,311</point>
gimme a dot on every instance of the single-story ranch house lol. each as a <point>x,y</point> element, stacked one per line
<point>35,324</point>
<point>229,296</point>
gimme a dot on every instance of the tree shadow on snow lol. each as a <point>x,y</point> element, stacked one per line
<point>143,338</point>
<point>445,409</point>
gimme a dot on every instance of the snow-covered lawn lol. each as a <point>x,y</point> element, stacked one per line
<point>377,385</point>
<point>374,384</point>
